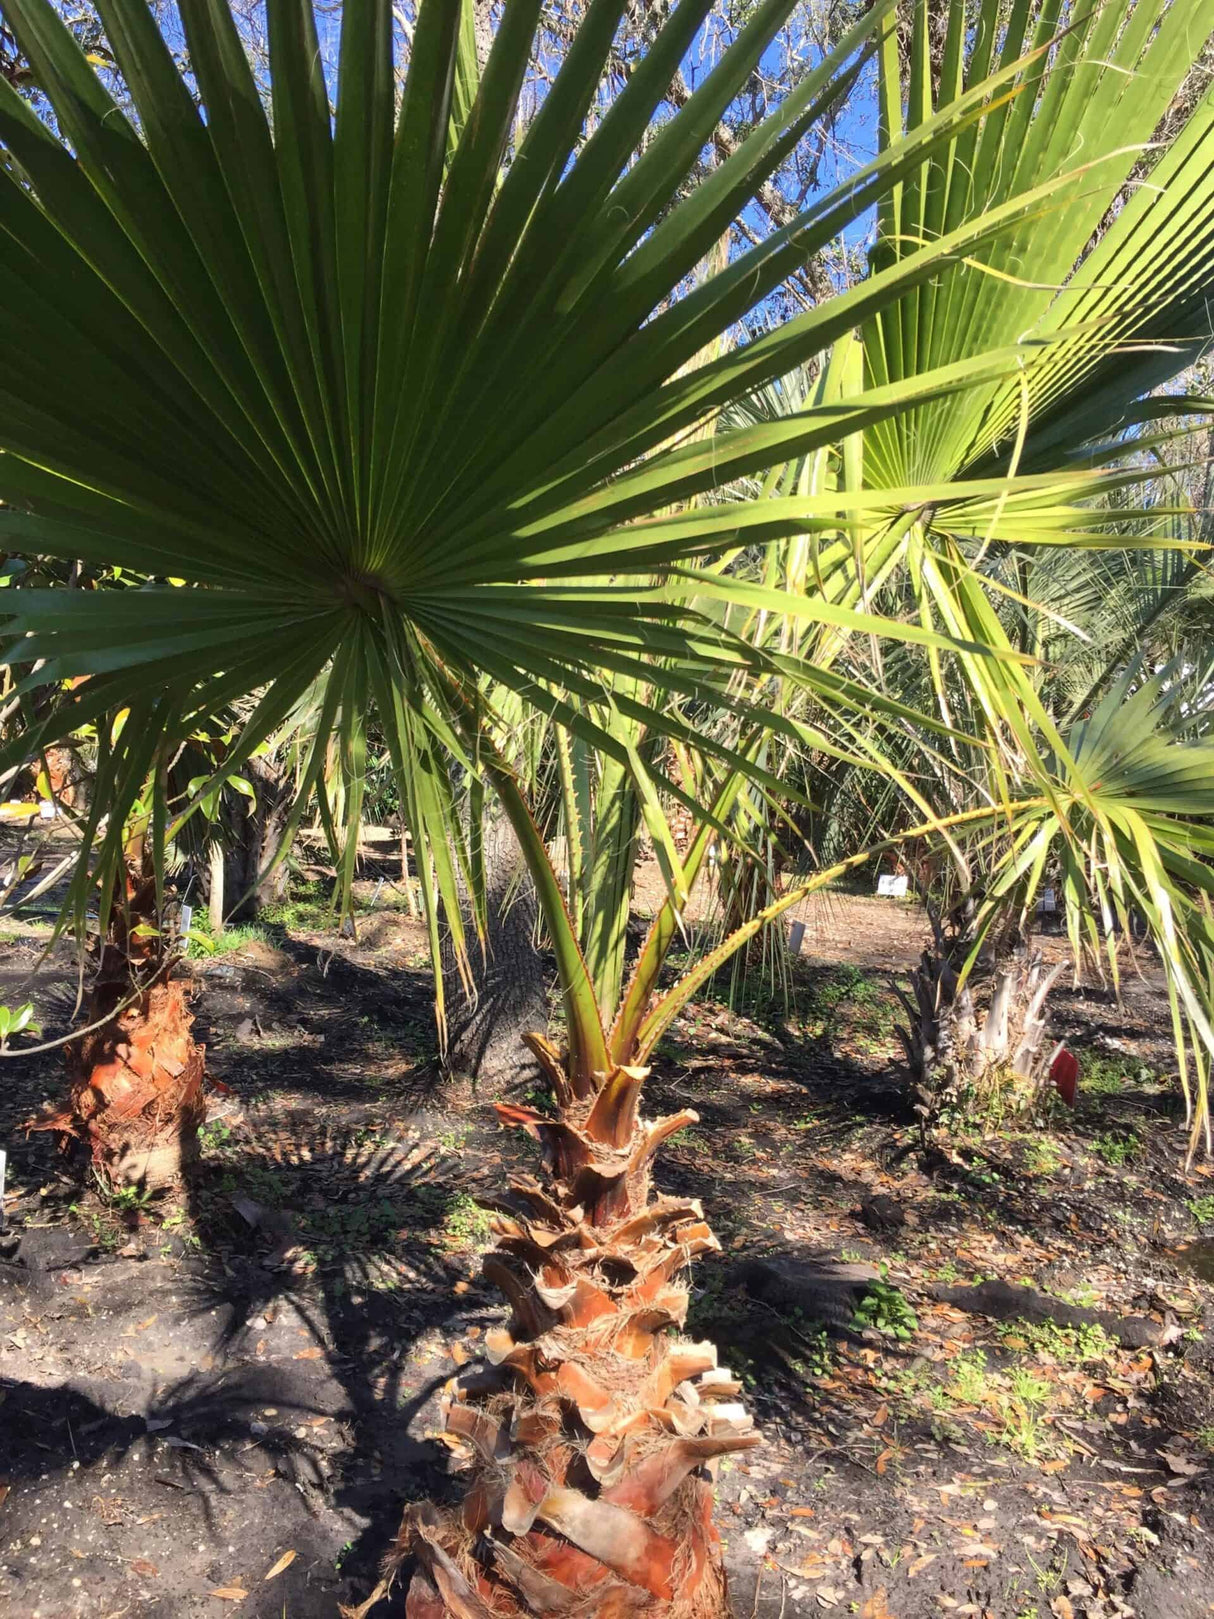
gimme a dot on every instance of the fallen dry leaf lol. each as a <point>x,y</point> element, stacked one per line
<point>314,1353</point>
<point>1061,1608</point>
<point>230,1593</point>
<point>877,1607</point>
<point>1180,1464</point>
<point>4,1489</point>
<point>142,1566</point>
<point>284,1561</point>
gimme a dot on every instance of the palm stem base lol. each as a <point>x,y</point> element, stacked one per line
<point>591,1436</point>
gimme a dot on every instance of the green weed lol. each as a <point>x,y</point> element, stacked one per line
<point>1067,1345</point>
<point>886,1308</point>
<point>970,1384</point>
<point>1117,1148</point>
<point>1202,1209</point>
<point>1042,1157</point>
<point>1107,1073</point>
<point>465,1224</point>
<point>1021,1430</point>
<point>1026,1388</point>
<point>309,907</point>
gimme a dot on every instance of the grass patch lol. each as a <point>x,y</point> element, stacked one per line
<point>203,944</point>
<point>308,907</point>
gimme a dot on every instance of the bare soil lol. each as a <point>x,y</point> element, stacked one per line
<point>222,1406</point>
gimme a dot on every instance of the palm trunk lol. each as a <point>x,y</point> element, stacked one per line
<point>485,1030</point>
<point>136,1098</point>
<point>592,1437</point>
<point>255,842</point>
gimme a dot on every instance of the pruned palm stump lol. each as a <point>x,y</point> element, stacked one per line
<point>967,1064</point>
<point>136,1074</point>
<point>592,1442</point>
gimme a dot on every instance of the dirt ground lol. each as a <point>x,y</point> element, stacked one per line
<point>222,1407</point>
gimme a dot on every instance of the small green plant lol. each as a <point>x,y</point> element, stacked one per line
<point>309,907</point>
<point>214,1135</point>
<point>17,1020</point>
<point>465,1224</point>
<point>1026,1388</point>
<point>969,1383</point>
<point>818,1357</point>
<point>1021,1430</point>
<point>1202,1209</point>
<point>1068,1345</point>
<point>202,943</point>
<point>1205,1436</point>
<point>1107,1073</point>
<point>1117,1147</point>
<point>129,1199</point>
<point>886,1308</point>
<point>1101,1075</point>
<point>1042,1157</point>
<point>104,1233</point>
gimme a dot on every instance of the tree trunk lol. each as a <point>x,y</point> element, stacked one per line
<point>970,1065</point>
<point>482,11</point>
<point>136,1097</point>
<point>485,1031</point>
<point>591,1438</point>
<point>215,863</point>
<point>263,836</point>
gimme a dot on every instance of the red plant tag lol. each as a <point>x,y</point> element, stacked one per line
<point>1064,1071</point>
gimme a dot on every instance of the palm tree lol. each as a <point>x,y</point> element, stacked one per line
<point>375,399</point>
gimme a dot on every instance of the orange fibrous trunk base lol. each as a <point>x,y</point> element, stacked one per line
<point>136,1093</point>
<point>591,1436</point>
